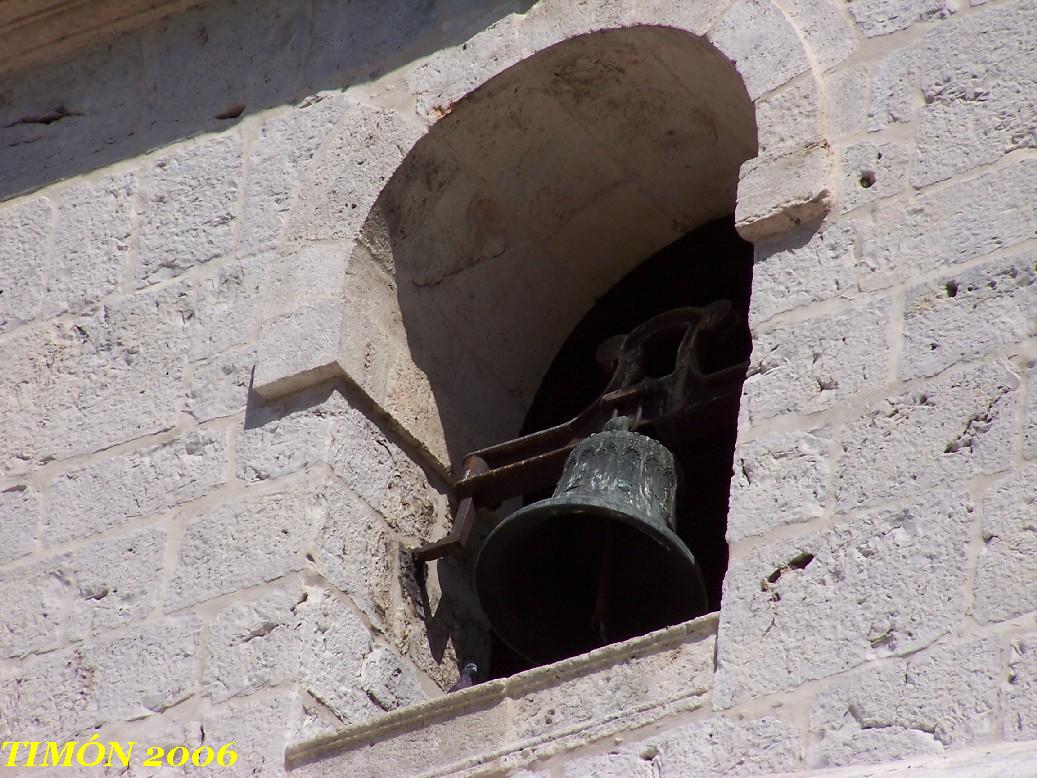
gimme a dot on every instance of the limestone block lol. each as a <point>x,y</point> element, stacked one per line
<point>353,165</point>
<point>801,268</point>
<point>789,119</point>
<point>954,428</point>
<point>110,491</point>
<point>718,747</point>
<point>778,480</point>
<point>1021,698</point>
<point>20,518</point>
<point>91,241</point>
<point>228,309</point>
<point>220,386</point>
<point>260,727</point>
<point>944,697</point>
<point>390,680</point>
<point>24,229</point>
<point>381,473</point>
<point>846,94</point>
<point>64,692</point>
<point>352,550</point>
<point>1007,563</point>
<point>777,194</point>
<point>881,583</point>
<point>980,91</point>
<point>112,582</point>
<point>881,17</point>
<point>809,366</point>
<point>88,383</point>
<point>148,670</point>
<point>764,62</point>
<point>286,436</point>
<point>276,159</point>
<point>696,18</point>
<point>263,534</point>
<point>827,32</point>
<point>305,274</point>
<point>1030,417</point>
<point>447,76</point>
<point>253,644</point>
<point>32,617</point>
<point>618,764</point>
<point>954,224</point>
<point>871,172</point>
<point>684,671</point>
<point>299,349</point>
<point>964,316</point>
<point>895,92</point>
<point>189,207</point>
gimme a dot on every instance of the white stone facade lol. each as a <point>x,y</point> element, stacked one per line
<point>241,248</point>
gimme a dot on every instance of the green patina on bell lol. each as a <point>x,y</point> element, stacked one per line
<point>598,561</point>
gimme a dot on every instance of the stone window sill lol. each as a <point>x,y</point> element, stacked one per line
<point>540,712</point>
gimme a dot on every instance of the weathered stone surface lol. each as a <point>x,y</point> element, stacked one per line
<point>871,172</point>
<point>777,194</point>
<point>380,472</point>
<point>954,224</point>
<point>91,241</point>
<point>227,308</point>
<point>64,692</point>
<point>764,62</point>
<point>24,227</point>
<point>1030,413</point>
<point>285,145</point>
<point>717,747</point>
<point>876,584</point>
<point>881,17</point>
<point>189,207</point>
<point>682,671</point>
<point>778,480</point>
<point>827,33</point>
<point>801,268</point>
<point>996,760</point>
<point>300,634</point>
<point>264,534</point>
<point>846,90</point>
<point>980,91</point>
<point>220,386</point>
<point>950,430</point>
<point>299,349</point>
<point>1007,565</point>
<point>342,181</point>
<point>895,91</point>
<point>964,316</point>
<point>809,366</point>
<point>112,582</point>
<point>1021,697</point>
<point>111,491</point>
<point>20,518</point>
<point>260,728</point>
<point>34,599</point>
<point>945,697</point>
<point>81,385</point>
<point>789,118</point>
<point>284,437</point>
<point>352,549</point>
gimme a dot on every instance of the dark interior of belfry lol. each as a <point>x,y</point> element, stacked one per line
<point>708,264</point>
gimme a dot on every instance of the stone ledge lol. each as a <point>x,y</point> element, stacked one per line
<point>574,700</point>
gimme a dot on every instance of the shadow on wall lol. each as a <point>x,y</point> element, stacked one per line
<point>204,69</point>
<point>535,195</point>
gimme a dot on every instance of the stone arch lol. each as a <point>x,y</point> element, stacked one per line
<point>371,331</point>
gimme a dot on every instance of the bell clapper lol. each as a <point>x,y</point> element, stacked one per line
<point>599,616</point>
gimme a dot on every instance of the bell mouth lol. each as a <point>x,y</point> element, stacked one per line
<point>557,579</point>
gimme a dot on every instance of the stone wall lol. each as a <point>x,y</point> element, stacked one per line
<point>185,560</point>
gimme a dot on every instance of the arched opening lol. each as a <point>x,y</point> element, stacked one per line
<point>531,198</point>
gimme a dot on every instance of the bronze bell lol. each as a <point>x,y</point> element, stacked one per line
<point>598,561</point>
